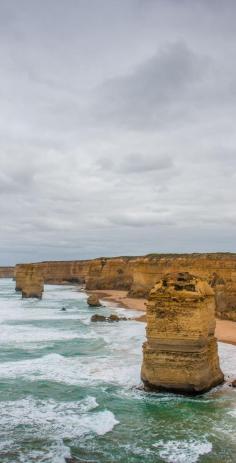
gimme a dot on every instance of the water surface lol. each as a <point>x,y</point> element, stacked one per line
<point>68,387</point>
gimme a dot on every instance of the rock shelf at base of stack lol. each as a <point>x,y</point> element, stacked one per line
<point>32,284</point>
<point>180,354</point>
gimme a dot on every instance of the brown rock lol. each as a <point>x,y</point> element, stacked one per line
<point>180,354</point>
<point>114,318</point>
<point>32,283</point>
<point>111,318</point>
<point>233,384</point>
<point>98,318</point>
<point>93,301</point>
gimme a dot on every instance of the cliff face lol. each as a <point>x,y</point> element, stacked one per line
<point>56,272</point>
<point>101,273</point>
<point>218,269</point>
<point>114,273</point>
<point>181,351</point>
<point>7,272</point>
<point>32,284</point>
<point>139,274</point>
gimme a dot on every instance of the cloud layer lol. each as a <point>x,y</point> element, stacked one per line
<point>116,128</point>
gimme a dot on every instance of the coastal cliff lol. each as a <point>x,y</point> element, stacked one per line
<point>56,272</point>
<point>180,354</point>
<point>114,273</point>
<point>218,269</point>
<point>139,274</point>
<point>7,272</point>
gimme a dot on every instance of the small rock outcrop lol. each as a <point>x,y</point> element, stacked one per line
<point>72,460</point>
<point>93,301</point>
<point>32,283</point>
<point>180,354</point>
<point>112,318</point>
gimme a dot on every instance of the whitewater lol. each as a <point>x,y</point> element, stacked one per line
<point>70,388</point>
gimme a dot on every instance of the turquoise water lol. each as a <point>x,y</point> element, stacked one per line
<point>68,388</point>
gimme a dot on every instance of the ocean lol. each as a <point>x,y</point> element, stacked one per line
<point>70,388</point>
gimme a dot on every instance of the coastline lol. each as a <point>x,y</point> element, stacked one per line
<point>225,329</point>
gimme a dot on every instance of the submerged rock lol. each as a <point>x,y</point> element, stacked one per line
<point>98,318</point>
<point>112,318</point>
<point>115,318</point>
<point>72,460</point>
<point>180,354</point>
<point>93,301</point>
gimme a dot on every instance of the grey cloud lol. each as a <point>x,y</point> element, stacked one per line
<point>135,163</point>
<point>117,128</point>
<point>140,163</point>
<point>140,219</point>
<point>155,90</point>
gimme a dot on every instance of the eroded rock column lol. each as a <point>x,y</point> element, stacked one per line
<point>32,283</point>
<point>180,353</point>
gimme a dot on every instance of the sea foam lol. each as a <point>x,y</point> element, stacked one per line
<point>174,451</point>
<point>52,419</point>
<point>74,370</point>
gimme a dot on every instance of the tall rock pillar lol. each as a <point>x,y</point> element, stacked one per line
<point>180,353</point>
<point>32,284</point>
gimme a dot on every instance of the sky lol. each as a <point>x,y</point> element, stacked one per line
<point>117,128</point>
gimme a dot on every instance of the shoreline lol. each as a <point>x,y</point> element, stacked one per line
<point>225,329</point>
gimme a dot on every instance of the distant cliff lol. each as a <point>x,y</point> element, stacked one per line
<point>7,272</point>
<point>139,274</point>
<point>56,272</point>
<point>101,273</point>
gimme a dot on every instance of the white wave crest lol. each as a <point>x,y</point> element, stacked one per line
<point>182,451</point>
<point>56,420</point>
<point>73,370</point>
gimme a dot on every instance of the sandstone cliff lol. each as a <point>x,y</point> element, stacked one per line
<point>181,351</point>
<point>114,273</point>
<point>7,272</point>
<point>219,269</point>
<point>56,272</point>
<point>139,274</point>
<point>101,273</point>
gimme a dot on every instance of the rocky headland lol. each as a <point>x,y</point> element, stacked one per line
<point>138,275</point>
<point>7,272</point>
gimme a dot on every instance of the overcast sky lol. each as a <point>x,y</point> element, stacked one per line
<point>117,127</point>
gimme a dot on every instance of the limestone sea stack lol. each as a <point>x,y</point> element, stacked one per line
<point>93,301</point>
<point>21,271</point>
<point>32,283</point>
<point>180,354</point>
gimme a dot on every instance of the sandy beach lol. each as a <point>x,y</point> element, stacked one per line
<point>225,329</point>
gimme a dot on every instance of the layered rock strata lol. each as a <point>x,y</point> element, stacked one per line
<point>56,272</point>
<point>139,274</point>
<point>180,353</point>
<point>7,272</point>
<point>32,286</point>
